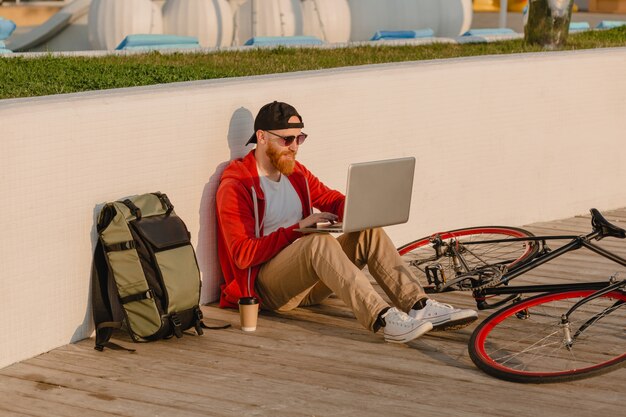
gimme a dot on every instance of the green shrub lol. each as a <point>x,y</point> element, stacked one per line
<point>24,77</point>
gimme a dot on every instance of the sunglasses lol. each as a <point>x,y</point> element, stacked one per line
<point>288,140</point>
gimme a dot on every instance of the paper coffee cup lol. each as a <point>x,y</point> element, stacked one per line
<point>248,313</point>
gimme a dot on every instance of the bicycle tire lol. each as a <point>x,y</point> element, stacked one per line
<point>511,255</point>
<point>524,342</point>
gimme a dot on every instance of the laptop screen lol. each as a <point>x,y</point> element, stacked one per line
<point>378,193</point>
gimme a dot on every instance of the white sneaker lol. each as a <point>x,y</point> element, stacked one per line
<point>401,328</point>
<point>444,316</point>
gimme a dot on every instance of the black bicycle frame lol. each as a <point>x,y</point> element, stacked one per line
<point>576,243</point>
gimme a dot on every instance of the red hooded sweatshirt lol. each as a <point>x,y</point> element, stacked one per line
<point>241,246</point>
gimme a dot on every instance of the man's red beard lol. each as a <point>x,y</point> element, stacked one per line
<point>284,165</point>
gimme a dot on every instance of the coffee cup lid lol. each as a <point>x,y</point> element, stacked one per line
<point>248,300</point>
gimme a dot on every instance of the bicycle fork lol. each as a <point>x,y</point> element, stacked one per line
<point>568,339</point>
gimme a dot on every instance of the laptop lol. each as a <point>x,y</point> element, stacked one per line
<point>378,193</point>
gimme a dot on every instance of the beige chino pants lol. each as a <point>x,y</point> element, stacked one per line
<point>317,265</point>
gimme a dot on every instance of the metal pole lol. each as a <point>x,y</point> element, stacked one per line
<point>253,8</point>
<point>503,9</point>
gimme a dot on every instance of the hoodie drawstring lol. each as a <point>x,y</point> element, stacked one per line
<point>308,194</point>
<point>257,232</point>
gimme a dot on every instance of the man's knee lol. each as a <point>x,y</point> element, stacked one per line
<point>316,243</point>
<point>372,235</point>
<point>377,232</point>
<point>319,240</point>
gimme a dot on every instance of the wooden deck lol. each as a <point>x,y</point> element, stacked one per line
<point>310,362</point>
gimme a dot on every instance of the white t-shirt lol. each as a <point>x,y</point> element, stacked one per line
<point>282,204</point>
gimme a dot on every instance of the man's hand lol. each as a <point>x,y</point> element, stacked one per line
<point>318,218</point>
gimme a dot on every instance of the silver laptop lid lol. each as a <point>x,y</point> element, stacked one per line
<point>378,193</point>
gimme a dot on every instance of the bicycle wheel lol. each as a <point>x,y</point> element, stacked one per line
<point>526,342</point>
<point>421,253</point>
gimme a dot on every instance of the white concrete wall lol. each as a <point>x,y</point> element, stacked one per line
<point>498,140</point>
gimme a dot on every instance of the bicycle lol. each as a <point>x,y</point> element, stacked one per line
<point>566,332</point>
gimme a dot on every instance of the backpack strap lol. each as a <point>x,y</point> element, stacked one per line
<point>166,202</point>
<point>218,327</point>
<point>200,323</point>
<point>101,303</point>
<point>136,211</point>
<point>176,325</point>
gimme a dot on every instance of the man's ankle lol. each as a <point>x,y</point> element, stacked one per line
<point>419,304</point>
<point>380,321</point>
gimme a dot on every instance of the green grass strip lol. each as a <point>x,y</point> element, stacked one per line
<point>26,77</point>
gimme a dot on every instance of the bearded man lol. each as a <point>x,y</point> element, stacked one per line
<point>262,201</point>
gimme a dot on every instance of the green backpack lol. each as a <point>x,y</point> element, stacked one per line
<point>145,272</point>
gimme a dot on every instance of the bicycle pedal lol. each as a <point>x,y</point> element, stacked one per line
<point>523,314</point>
<point>435,275</point>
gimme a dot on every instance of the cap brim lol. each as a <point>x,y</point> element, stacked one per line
<point>252,139</point>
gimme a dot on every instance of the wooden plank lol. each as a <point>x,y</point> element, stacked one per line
<point>23,399</point>
<point>299,365</point>
<point>310,361</point>
<point>66,389</point>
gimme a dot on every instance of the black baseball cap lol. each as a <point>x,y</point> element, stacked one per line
<point>275,116</point>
